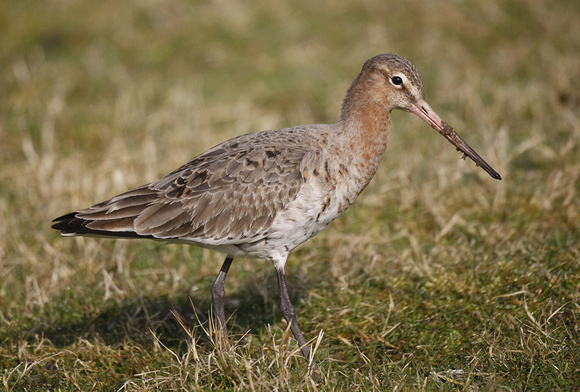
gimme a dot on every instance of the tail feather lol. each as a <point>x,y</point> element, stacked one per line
<point>71,225</point>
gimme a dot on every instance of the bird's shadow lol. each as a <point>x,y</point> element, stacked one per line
<point>143,318</point>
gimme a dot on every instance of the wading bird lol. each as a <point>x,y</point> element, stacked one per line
<point>262,194</point>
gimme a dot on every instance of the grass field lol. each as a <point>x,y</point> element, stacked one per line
<point>438,278</point>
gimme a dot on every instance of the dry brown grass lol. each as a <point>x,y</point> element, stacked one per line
<point>437,279</point>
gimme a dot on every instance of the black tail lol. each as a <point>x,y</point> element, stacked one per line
<point>71,225</point>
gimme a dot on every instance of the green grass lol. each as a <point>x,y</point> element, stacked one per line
<point>438,278</point>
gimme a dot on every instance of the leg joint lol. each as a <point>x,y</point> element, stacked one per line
<point>288,310</point>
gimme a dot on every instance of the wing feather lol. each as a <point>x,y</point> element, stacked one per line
<point>230,193</point>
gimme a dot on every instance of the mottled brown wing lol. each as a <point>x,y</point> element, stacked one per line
<point>228,195</point>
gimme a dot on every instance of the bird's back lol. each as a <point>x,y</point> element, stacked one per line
<point>235,197</point>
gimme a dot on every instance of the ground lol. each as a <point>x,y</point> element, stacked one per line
<point>437,278</point>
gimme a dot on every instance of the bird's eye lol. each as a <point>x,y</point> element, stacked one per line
<point>397,80</point>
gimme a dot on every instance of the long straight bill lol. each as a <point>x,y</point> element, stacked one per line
<point>424,111</point>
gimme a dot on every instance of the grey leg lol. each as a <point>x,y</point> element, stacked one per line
<point>218,293</point>
<point>289,313</point>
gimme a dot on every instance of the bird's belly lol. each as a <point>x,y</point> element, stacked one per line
<point>314,209</point>
<point>317,204</point>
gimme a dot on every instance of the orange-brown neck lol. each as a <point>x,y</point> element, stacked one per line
<point>364,122</point>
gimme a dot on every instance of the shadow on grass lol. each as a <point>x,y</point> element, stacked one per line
<point>139,318</point>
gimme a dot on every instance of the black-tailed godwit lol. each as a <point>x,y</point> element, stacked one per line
<point>263,194</point>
